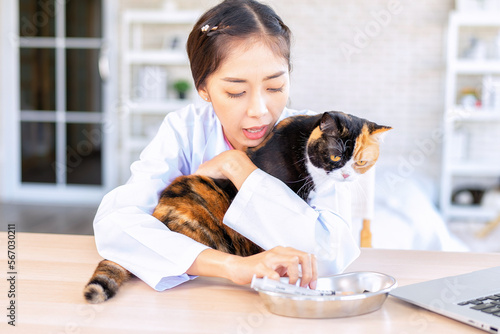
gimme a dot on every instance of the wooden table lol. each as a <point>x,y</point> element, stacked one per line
<point>51,271</point>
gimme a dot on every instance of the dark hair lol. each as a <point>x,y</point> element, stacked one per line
<point>209,41</point>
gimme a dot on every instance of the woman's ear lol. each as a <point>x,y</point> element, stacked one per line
<point>204,94</point>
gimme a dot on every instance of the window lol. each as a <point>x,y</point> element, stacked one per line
<point>60,142</point>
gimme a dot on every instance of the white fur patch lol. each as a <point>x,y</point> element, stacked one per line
<point>323,179</point>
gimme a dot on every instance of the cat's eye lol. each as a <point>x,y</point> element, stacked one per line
<point>335,158</point>
<point>361,163</point>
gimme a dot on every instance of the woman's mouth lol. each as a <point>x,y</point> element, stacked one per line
<point>255,133</point>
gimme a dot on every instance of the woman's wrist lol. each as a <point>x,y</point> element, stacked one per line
<point>212,263</point>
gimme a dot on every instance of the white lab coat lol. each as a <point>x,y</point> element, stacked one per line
<point>265,210</point>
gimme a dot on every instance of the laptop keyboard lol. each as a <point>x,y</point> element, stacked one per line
<point>488,304</point>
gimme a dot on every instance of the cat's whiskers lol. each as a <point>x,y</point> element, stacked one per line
<point>346,143</point>
<point>297,181</point>
<point>303,159</point>
<point>306,186</point>
<point>339,145</point>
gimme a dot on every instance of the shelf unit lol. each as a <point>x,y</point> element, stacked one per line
<point>457,167</point>
<point>153,57</point>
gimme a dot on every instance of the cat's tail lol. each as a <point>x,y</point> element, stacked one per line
<point>105,282</point>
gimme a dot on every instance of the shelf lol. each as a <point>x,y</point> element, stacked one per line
<point>156,57</point>
<point>476,169</point>
<point>462,114</point>
<point>457,136</point>
<point>474,212</point>
<point>476,19</point>
<point>146,34</point>
<point>477,67</point>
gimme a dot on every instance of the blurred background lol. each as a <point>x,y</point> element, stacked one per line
<point>86,84</point>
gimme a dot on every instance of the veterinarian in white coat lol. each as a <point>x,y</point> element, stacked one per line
<point>240,60</point>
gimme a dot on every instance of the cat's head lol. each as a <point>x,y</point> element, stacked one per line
<point>343,147</point>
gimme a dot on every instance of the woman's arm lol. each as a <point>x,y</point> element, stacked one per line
<point>273,263</point>
<point>127,233</point>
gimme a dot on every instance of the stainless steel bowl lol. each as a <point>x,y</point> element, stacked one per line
<point>354,301</point>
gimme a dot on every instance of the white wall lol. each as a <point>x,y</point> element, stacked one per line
<point>379,59</point>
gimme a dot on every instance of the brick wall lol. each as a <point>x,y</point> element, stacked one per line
<point>379,59</point>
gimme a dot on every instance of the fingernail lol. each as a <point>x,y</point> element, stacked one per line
<point>313,284</point>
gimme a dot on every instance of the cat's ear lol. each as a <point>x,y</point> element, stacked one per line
<point>328,124</point>
<point>378,132</point>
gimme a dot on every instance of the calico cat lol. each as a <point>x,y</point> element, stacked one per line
<point>302,151</point>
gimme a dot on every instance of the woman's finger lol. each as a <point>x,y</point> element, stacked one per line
<point>307,262</point>
<point>307,272</point>
<point>314,266</point>
<point>292,268</point>
<point>269,273</point>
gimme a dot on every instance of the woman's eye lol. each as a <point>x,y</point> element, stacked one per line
<point>231,95</point>
<point>276,90</point>
<point>361,163</point>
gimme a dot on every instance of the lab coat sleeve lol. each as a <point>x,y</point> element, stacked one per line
<point>270,214</point>
<point>125,231</point>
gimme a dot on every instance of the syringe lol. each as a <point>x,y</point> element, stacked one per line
<point>268,284</point>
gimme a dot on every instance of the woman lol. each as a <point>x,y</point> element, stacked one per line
<point>239,53</point>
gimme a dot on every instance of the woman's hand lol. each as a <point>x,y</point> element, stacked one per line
<point>274,263</point>
<point>234,165</point>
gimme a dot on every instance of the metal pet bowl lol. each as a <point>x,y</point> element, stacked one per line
<point>361,292</point>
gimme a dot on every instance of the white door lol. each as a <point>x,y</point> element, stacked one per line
<point>58,130</point>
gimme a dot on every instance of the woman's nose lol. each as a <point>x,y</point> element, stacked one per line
<point>257,107</point>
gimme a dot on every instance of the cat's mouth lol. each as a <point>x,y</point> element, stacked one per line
<point>343,176</point>
<point>256,132</point>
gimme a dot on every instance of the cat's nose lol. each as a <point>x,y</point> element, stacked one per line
<point>345,175</point>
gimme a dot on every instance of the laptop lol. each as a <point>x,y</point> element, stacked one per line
<point>472,298</point>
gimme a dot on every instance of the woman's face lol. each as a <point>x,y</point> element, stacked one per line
<point>248,92</point>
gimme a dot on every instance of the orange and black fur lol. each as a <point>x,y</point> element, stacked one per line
<point>333,143</point>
